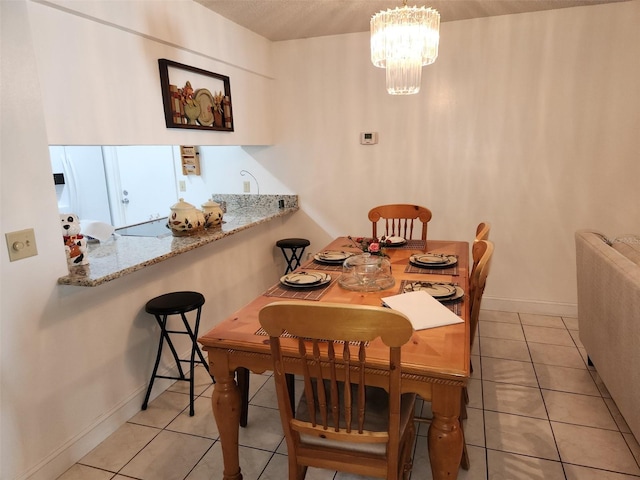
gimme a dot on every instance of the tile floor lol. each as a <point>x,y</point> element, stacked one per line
<point>536,411</point>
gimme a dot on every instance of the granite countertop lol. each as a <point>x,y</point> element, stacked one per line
<point>121,255</point>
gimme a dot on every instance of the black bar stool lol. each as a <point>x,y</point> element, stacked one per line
<point>296,246</point>
<point>177,303</point>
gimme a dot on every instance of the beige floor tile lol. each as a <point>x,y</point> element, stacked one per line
<point>507,349</point>
<point>162,410</point>
<point>571,323</point>
<point>634,446</point>
<point>202,423</point>
<point>576,338</point>
<point>617,416</point>
<point>509,371</point>
<point>263,430</point>
<point>602,388</point>
<point>521,435</point>
<point>551,336</point>
<point>422,466</point>
<point>169,456</point>
<point>542,320</point>
<point>578,409</point>
<point>556,355</point>
<point>474,427</point>
<point>201,381</point>
<point>278,469</point>
<point>593,447</point>
<point>508,331</point>
<point>497,316</point>
<point>252,462</point>
<point>120,447</point>
<point>514,399</point>
<point>83,472</point>
<point>564,379</point>
<point>474,390</point>
<point>509,466</point>
<point>576,472</point>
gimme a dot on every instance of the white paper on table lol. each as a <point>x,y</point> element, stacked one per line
<point>423,310</point>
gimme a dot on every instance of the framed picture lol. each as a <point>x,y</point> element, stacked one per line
<point>195,98</point>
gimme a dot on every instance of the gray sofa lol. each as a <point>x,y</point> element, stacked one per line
<point>608,274</point>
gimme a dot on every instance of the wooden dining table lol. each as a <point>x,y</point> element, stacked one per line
<point>435,362</point>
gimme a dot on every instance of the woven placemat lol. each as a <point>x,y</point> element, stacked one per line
<point>452,270</point>
<point>410,245</point>
<point>311,293</point>
<point>332,267</point>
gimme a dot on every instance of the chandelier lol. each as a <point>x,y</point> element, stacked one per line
<point>402,41</point>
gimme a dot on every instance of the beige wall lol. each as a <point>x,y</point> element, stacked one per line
<point>528,121</point>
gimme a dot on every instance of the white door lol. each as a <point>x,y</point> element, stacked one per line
<point>142,182</point>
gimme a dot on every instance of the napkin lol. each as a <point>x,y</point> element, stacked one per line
<point>423,310</point>
<point>95,229</point>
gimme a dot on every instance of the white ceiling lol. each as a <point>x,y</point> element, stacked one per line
<point>294,19</point>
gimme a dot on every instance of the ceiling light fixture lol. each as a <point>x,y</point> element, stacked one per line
<point>402,41</point>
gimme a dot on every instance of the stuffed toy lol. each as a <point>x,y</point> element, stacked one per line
<point>75,244</point>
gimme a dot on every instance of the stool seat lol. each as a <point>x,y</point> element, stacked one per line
<point>174,303</point>
<point>296,246</point>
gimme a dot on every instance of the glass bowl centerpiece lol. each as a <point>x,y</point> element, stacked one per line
<point>368,272</point>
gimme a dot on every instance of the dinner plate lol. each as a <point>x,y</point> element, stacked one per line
<point>433,260</point>
<point>332,256</point>
<point>436,290</point>
<point>395,241</point>
<point>305,279</point>
<point>205,100</point>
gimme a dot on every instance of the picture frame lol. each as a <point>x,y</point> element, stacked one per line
<point>194,98</point>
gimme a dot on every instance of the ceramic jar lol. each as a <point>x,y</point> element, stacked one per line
<point>212,214</point>
<point>185,219</point>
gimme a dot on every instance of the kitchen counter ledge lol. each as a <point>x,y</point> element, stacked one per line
<point>121,255</point>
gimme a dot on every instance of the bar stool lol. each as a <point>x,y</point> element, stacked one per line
<point>294,245</point>
<point>177,303</point>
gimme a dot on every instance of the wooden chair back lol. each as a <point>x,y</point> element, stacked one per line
<point>482,231</point>
<point>326,343</point>
<point>482,252</point>
<point>399,220</point>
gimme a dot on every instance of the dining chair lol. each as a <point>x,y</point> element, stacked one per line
<point>341,423</point>
<point>399,220</point>
<point>482,231</point>
<point>482,253</point>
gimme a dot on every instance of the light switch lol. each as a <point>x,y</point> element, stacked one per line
<point>21,244</point>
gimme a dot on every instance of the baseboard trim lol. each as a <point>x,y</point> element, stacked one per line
<point>530,306</point>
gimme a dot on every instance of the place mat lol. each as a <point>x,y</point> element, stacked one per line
<point>316,265</point>
<point>286,334</point>
<point>409,245</point>
<point>452,270</point>
<point>282,291</point>
<point>454,305</point>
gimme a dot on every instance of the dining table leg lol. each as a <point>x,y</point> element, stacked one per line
<point>226,405</point>
<point>445,436</point>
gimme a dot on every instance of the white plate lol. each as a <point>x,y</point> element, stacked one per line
<point>305,279</point>
<point>435,260</point>
<point>436,290</point>
<point>395,241</point>
<point>332,256</point>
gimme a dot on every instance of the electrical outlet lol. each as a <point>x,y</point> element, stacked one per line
<point>21,244</point>
<point>183,186</point>
<point>247,187</point>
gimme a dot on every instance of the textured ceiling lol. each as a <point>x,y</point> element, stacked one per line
<point>293,19</point>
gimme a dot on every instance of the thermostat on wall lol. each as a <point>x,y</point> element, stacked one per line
<point>369,138</point>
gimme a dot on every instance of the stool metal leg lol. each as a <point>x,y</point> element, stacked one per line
<point>162,322</point>
<point>294,260</point>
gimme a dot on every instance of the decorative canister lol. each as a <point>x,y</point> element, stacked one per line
<point>185,219</point>
<point>212,213</point>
